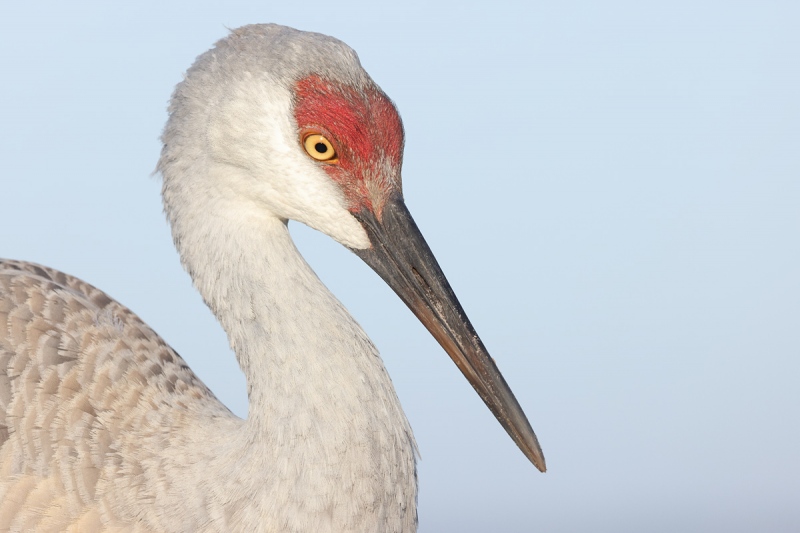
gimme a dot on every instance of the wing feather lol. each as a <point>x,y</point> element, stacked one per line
<point>82,379</point>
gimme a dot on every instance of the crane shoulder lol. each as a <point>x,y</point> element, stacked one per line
<point>89,395</point>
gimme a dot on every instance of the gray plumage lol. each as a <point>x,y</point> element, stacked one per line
<point>103,427</point>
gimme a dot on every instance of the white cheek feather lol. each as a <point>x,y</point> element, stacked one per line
<point>254,134</point>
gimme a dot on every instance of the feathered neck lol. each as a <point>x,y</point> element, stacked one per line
<point>325,426</point>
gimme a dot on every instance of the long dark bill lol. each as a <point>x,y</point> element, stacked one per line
<point>400,255</point>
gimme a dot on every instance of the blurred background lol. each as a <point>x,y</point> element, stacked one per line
<point>612,188</point>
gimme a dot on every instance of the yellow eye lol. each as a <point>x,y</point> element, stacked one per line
<point>320,148</point>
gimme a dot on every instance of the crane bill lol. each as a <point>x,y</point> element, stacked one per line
<point>400,255</point>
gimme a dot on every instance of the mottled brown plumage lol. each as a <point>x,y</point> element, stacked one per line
<point>79,375</point>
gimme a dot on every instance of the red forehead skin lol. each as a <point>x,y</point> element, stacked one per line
<point>366,132</point>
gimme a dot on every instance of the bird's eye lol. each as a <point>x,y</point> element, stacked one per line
<point>320,148</point>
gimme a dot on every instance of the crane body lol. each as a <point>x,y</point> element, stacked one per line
<point>103,427</point>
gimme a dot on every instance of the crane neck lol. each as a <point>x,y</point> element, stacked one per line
<point>318,392</point>
<point>325,437</point>
<point>297,345</point>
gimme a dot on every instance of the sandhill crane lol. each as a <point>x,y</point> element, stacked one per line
<point>104,427</point>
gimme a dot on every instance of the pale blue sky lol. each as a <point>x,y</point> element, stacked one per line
<point>612,188</point>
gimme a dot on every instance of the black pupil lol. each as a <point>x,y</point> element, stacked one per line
<point>321,148</point>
